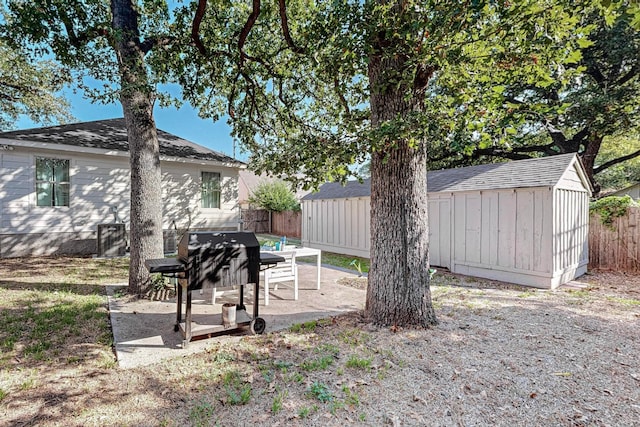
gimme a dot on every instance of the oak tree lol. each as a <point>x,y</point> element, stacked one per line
<point>312,87</point>
<point>108,41</point>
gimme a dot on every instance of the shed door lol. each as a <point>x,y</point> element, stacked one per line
<point>440,233</point>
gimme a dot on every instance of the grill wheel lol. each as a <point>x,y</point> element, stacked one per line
<point>258,326</point>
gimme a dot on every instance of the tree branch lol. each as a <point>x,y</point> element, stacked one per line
<point>150,43</point>
<point>285,28</point>
<point>613,162</point>
<point>247,28</point>
<point>631,74</point>
<point>195,27</point>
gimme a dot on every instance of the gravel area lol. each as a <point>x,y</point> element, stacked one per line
<point>501,355</point>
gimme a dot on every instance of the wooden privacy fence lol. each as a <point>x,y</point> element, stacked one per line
<point>256,220</point>
<point>615,247</point>
<point>287,223</point>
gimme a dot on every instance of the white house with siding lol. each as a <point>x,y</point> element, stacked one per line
<point>523,222</point>
<point>59,183</point>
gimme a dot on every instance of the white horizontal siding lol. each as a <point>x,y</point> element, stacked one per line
<point>182,203</point>
<point>99,183</point>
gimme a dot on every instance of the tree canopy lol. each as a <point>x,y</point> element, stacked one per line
<point>569,107</point>
<point>30,88</point>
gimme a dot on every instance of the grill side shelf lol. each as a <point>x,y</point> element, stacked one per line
<point>165,265</point>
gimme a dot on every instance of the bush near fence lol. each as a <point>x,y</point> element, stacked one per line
<point>615,246</point>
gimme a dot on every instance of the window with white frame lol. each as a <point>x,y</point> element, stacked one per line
<point>210,190</point>
<point>52,182</point>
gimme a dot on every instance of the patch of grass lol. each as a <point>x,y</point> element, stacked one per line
<point>321,392</point>
<point>28,384</point>
<point>526,294</point>
<point>309,326</point>
<point>305,411</point>
<point>354,337</point>
<point>3,394</point>
<point>624,301</point>
<point>282,366</point>
<point>40,320</point>
<point>317,364</point>
<point>579,293</point>
<point>351,397</point>
<point>297,377</point>
<point>238,391</point>
<point>201,414</point>
<point>277,404</point>
<point>358,362</point>
<point>328,349</point>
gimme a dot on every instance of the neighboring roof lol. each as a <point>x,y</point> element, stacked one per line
<point>538,172</point>
<point>625,190</point>
<point>335,190</point>
<point>111,134</point>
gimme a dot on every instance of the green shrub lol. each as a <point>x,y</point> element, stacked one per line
<point>611,207</point>
<point>274,196</point>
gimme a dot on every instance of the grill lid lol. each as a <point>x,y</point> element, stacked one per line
<point>220,259</point>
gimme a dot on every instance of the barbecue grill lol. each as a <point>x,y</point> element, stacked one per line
<point>214,259</point>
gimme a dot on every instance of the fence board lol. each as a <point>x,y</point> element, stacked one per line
<point>256,220</point>
<point>615,247</point>
<point>287,223</point>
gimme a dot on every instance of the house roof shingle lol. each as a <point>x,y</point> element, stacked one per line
<point>111,134</point>
<point>539,172</point>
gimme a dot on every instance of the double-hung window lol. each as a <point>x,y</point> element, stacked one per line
<point>210,190</point>
<point>52,182</point>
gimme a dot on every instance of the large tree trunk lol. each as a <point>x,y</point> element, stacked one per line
<point>592,147</point>
<point>398,291</point>
<point>137,104</point>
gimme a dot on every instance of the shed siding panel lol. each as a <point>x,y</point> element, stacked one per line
<point>525,216</point>
<point>337,225</point>
<point>542,221</point>
<point>459,220</point>
<point>506,228</point>
<point>473,221</point>
<point>489,228</point>
<point>439,232</point>
<point>570,229</point>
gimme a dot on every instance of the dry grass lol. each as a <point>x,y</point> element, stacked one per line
<point>501,355</point>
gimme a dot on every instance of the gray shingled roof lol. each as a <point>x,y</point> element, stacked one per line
<point>112,135</point>
<point>540,172</point>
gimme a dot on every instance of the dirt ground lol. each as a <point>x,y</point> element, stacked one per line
<point>500,355</point>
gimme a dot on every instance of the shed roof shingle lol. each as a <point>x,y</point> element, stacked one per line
<point>539,172</point>
<point>111,134</point>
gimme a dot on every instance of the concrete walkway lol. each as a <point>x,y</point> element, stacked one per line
<point>143,330</point>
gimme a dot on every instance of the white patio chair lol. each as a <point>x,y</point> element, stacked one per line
<point>286,271</point>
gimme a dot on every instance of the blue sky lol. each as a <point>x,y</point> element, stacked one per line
<point>184,123</point>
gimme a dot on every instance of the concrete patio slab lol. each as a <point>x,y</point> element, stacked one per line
<point>143,330</point>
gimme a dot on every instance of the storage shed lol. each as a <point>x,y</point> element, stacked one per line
<point>523,222</point>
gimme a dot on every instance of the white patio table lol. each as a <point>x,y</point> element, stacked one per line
<point>307,252</point>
